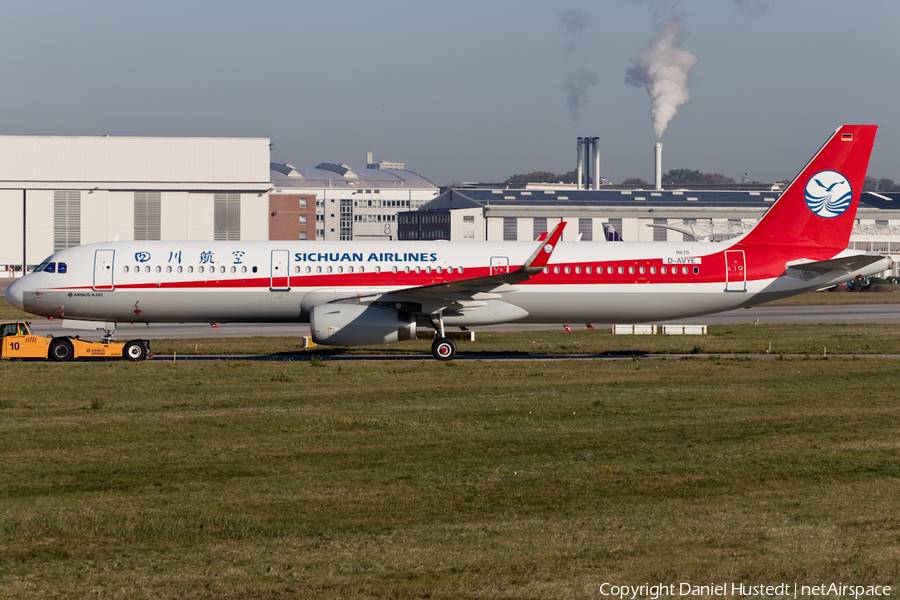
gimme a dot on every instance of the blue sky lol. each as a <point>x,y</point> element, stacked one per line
<point>473,90</point>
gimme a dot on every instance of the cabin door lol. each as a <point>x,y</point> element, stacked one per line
<point>103,269</point>
<point>735,271</point>
<point>499,265</point>
<point>281,267</point>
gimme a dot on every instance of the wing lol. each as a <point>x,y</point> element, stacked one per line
<point>464,293</point>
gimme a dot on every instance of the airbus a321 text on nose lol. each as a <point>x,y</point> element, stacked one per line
<point>363,293</point>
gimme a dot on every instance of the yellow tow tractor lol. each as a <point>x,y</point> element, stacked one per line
<point>18,341</point>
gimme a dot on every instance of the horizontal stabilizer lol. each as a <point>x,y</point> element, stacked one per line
<point>848,264</point>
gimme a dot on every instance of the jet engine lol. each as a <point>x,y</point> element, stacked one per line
<point>359,325</point>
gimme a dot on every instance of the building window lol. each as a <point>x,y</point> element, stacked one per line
<point>510,229</point>
<point>302,235</point>
<point>346,223</point>
<point>302,202</point>
<point>147,215</point>
<point>303,219</point>
<point>540,226</point>
<point>66,220</point>
<point>586,229</point>
<point>227,217</point>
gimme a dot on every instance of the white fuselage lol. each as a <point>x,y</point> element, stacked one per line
<point>280,281</point>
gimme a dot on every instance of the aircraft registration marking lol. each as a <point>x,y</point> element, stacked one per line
<point>683,260</point>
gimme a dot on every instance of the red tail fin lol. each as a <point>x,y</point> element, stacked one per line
<point>819,207</point>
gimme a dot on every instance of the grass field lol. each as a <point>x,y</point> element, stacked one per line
<point>721,339</point>
<point>372,479</point>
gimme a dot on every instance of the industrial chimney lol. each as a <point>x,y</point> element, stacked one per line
<point>657,147</point>
<point>580,169</point>
<point>595,145</point>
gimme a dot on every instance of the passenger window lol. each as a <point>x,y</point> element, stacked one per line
<point>169,269</point>
<point>631,270</point>
<point>254,269</point>
<point>588,270</point>
<point>178,268</point>
<point>159,269</point>
<point>125,269</point>
<point>567,270</point>
<point>147,269</point>
<point>621,270</point>
<point>653,270</point>
<point>642,270</point>
<point>244,269</point>
<point>362,269</point>
<point>577,270</point>
<point>609,270</point>
<point>393,269</point>
<point>684,270</point>
<point>556,269</point>
<point>663,270</point>
<point>696,270</point>
<point>406,270</point>
<point>221,269</point>
<point>190,269</point>
<point>200,269</point>
<point>459,270</point>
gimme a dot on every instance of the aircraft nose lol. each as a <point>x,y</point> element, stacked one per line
<point>15,294</point>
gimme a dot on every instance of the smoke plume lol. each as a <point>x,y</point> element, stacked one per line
<point>578,78</point>
<point>663,68</point>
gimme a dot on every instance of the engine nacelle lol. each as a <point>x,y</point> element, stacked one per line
<point>359,325</point>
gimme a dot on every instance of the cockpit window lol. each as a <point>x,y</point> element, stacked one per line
<point>51,267</point>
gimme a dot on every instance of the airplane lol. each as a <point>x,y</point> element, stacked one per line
<point>366,293</point>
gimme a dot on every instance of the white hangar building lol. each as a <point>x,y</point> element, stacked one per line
<point>57,192</point>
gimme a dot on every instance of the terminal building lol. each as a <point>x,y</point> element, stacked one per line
<point>347,204</point>
<point>661,215</point>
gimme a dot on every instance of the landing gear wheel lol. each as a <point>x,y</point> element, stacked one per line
<point>443,349</point>
<point>61,349</point>
<point>134,350</point>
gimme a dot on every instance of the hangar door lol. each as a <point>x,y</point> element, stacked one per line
<point>103,269</point>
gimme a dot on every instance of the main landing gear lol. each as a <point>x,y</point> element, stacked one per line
<point>443,348</point>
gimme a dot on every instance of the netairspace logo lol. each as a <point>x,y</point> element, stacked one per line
<point>828,194</point>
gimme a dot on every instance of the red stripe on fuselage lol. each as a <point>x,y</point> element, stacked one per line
<point>761,263</point>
